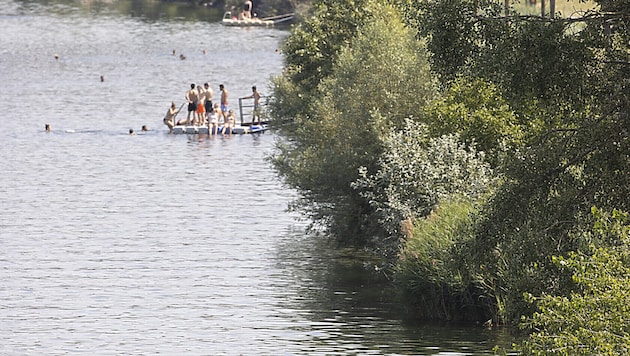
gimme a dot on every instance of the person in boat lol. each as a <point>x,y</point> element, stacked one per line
<point>224,101</point>
<point>256,96</point>
<point>213,120</point>
<point>207,100</point>
<point>247,10</point>
<point>229,122</point>
<point>192,98</point>
<point>201,108</point>
<point>169,118</point>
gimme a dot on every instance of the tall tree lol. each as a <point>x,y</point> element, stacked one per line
<point>376,79</point>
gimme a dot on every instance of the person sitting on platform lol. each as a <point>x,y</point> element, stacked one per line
<point>230,122</point>
<point>213,120</point>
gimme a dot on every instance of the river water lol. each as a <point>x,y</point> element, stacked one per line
<point>118,244</point>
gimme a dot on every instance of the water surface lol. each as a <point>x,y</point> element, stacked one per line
<point>118,244</point>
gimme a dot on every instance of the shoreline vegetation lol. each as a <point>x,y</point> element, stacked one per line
<point>480,151</point>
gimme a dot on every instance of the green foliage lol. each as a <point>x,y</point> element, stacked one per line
<point>475,110</point>
<point>569,94</point>
<point>368,92</point>
<point>593,319</point>
<point>452,32</point>
<point>416,172</point>
<point>391,79</point>
<point>550,184</point>
<point>541,63</point>
<point>429,273</point>
<point>541,66</point>
<point>548,104</point>
<point>522,227</point>
<point>314,45</point>
<point>432,182</point>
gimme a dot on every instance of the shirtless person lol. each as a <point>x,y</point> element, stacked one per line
<point>207,100</point>
<point>256,113</point>
<point>200,117</point>
<point>192,98</point>
<point>169,118</point>
<point>224,102</point>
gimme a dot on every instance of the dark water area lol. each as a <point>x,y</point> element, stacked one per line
<point>145,10</point>
<point>152,243</point>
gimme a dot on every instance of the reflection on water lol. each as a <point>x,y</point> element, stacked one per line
<point>150,10</point>
<point>153,243</point>
<point>342,306</point>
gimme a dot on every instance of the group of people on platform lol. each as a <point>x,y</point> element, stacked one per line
<point>203,112</point>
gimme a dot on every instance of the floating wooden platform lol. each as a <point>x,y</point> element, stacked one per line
<point>247,22</point>
<point>229,20</point>
<point>203,130</point>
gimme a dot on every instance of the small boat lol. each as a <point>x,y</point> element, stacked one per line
<point>204,130</point>
<point>229,20</point>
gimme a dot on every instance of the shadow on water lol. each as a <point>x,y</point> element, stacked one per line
<point>346,304</point>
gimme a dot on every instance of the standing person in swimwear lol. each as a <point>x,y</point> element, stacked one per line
<point>256,113</point>
<point>201,108</point>
<point>192,98</point>
<point>224,102</point>
<point>207,100</point>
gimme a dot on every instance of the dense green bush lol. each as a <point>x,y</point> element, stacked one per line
<point>570,97</point>
<point>313,47</point>
<point>593,320</point>
<point>478,113</point>
<point>434,282</point>
<point>416,172</point>
<point>423,195</point>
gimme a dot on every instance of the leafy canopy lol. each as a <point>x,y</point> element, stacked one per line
<point>370,87</point>
<point>593,319</point>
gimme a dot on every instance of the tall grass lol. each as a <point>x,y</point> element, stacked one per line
<point>429,272</point>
